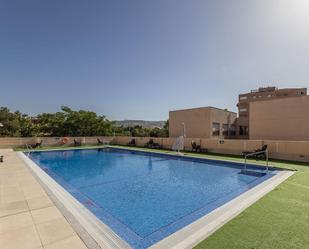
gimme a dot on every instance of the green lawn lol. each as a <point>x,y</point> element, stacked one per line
<point>278,220</point>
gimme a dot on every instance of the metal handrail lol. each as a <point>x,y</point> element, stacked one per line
<point>256,153</point>
<point>106,142</point>
<point>29,148</point>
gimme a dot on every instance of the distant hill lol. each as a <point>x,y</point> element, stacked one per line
<point>143,123</point>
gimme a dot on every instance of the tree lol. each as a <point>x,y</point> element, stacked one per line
<point>68,122</point>
<point>74,123</point>
<point>26,127</point>
<point>11,126</point>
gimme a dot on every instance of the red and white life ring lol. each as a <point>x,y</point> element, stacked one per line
<point>65,140</point>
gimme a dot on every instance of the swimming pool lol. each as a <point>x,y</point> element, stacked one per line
<point>144,197</point>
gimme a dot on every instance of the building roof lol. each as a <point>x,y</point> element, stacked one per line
<point>205,107</point>
<point>272,89</point>
<point>278,99</point>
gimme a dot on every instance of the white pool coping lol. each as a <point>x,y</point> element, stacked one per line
<point>187,237</point>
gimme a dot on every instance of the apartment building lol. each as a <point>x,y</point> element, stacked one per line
<point>260,94</point>
<point>265,113</point>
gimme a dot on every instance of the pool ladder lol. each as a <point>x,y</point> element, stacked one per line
<point>257,153</point>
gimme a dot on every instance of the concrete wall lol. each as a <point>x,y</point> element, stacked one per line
<point>287,150</point>
<point>198,121</point>
<point>280,119</point>
<point>12,142</point>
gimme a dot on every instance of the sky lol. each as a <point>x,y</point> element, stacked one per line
<point>138,59</point>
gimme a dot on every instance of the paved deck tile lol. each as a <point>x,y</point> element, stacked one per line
<point>28,217</point>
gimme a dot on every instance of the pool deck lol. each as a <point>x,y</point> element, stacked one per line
<point>28,217</point>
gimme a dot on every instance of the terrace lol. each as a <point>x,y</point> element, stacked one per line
<point>132,124</point>
<point>27,210</point>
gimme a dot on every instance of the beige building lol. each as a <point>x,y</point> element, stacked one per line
<point>261,94</point>
<point>280,119</point>
<point>264,114</point>
<point>204,122</point>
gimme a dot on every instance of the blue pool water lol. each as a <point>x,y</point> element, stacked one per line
<point>145,197</point>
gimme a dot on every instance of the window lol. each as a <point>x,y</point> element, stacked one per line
<point>232,130</point>
<point>215,129</point>
<point>243,130</point>
<point>242,97</point>
<point>225,130</point>
<point>243,110</point>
